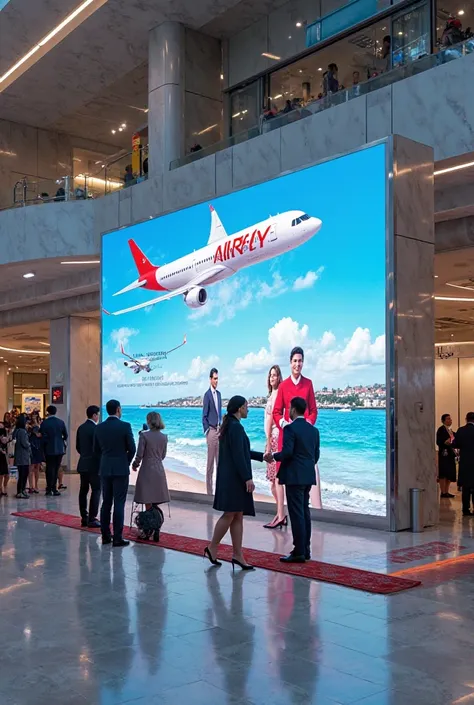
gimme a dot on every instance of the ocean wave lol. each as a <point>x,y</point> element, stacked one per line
<point>356,492</point>
<point>195,442</point>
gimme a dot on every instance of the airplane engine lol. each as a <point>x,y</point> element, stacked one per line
<point>195,297</point>
<point>127,364</point>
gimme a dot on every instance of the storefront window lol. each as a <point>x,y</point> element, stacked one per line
<point>245,105</point>
<point>454,22</point>
<point>411,35</point>
<point>357,58</point>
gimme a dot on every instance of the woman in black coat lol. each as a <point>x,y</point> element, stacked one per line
<point>234,483</point>
<point>445,440</point>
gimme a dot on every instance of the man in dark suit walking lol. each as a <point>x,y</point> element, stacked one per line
<point>53,436</point>
<point>464,440</point>
<point>298,458</point>
<point>211,422</point>
<point>88,468</point>
<point>115,447</point>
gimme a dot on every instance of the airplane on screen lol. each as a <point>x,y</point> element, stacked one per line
<point>223,256</point>
<point>143,364</point>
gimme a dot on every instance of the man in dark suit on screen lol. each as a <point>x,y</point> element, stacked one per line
<point>211,423</point>
<point>115,447</point>
<point>298,458</point>
<point>88,468</point>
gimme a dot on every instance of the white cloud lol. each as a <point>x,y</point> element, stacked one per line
<point>201,367</point>
<point>122,336</point>
<point>275,288</point>
<point>323,357</point>
<point>308,281</point>
<point>112,374</point>
<point>225,299</point>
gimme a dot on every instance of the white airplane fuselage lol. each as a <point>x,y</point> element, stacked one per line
<point>263,241</point>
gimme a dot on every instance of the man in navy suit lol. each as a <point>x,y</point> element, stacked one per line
<point>53,436</point>
<point>211,422</point>
<point>114,445</point>
<point>88,468</point>
<point>298,458</point>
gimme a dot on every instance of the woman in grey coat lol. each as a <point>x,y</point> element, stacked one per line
<point>22,457</point>
<point>151,487</point>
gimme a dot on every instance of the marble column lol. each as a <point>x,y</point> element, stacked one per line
<point>166,66</point>
<point>3,389</point>
<point>412,279</point>
<point>75,365</point>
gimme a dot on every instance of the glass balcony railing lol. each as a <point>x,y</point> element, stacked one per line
<point>413,68</point>
<point>111,176</point>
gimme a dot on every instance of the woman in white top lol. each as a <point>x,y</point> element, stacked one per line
<point>271,433</point>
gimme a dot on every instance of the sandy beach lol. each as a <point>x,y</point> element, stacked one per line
<point>183,483</point>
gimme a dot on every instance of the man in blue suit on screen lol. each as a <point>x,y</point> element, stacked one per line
<point>298,458</point>
<point>211,423</point>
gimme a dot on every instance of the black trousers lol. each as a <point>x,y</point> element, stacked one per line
<point>89,480</point>
<point>23,471</point>
<point>53,463</point>
<point>297,497</point>
<point>467,497</point>
<point>114,492</point>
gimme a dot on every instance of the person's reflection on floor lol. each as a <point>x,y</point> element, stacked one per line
<point>232,619</point>
<point>105,617</point>
<point>152,605</point>
<point>301,620</point>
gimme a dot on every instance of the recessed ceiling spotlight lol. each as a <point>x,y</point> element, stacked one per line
<point>289,37</point>
<point>222,76</point>
<point>320,69</point>
<point>124,125</point>
<point>29,275</point>
<point>120,129</point>
<point>461,13</point>
<point>299,24</point>
<point>114,131</point>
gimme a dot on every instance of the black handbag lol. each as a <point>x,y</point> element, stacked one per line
<point>149,522</point>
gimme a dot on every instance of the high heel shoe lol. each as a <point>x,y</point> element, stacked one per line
<point>278,525</point>
<point>244,566</point>
<point>208,555</point>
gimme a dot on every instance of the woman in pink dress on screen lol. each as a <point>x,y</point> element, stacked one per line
<point>272,434</point>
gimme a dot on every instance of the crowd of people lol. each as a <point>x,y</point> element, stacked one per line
<point>457,449</point>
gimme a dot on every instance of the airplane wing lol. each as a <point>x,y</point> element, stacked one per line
<point>201,278</point>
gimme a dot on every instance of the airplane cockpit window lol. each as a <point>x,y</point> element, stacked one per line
<point>304,217</point>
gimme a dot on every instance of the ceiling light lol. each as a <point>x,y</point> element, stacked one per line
<point>271,56</point>
<point>301,70</point>
<point>320,69</point>
<point>460,342</point>
<point>235,115</point>
<point>90,261</point>
<point>453,298</point>
<point>436,276</point>
<point>114,131</point>
<point>49,37</point>
<point>299,24</point>
<point>453,168</point>
<point>120,129</point>
<point>124,125</point>
<point>43,343</point>
<point>29,275</point>
<point>400,34</point>
<point>461,13</point>
<point>26,352</point>
<point>222,76</point>
<point>289,37</point>
<point>207,129</point>
<point>278,96</point>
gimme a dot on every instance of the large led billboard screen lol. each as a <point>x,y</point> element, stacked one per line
<point>235,285</point>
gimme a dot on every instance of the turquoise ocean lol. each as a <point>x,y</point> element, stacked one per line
<point>353,450</point>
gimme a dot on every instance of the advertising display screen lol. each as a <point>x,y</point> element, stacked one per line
<point>233,286</point>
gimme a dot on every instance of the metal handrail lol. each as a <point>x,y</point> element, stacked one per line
<point>420,65</point>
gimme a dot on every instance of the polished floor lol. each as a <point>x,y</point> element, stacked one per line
<point>83,624</point>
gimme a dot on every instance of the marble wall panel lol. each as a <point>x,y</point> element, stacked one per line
<point>203,65</point>
<point>147,199</point>
<point>245,52</point>
<point>224,172</point>
<point>190,184</point>
<point>435,108</point>
<point>58,230</point>
<point>379,114</point>
<point>202,121</point>
<point>24,142</point>
<point>325,134</point>
<point>106,213</point>
<point>125,206</point>
<point>454,234</point>
<point>415,401</point>
<point>256,160</point>
<point>413,190</point>
<point>47,154</point>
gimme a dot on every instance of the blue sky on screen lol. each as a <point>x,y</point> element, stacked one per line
<point>327,295</point>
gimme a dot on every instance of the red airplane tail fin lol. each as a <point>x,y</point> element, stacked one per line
<point>142,263</point>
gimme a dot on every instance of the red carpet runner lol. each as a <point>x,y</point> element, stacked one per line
<point>326,572</point>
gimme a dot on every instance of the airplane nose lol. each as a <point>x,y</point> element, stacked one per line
<point>317,224</point>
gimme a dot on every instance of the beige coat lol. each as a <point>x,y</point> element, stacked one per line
<point>151,487</point>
